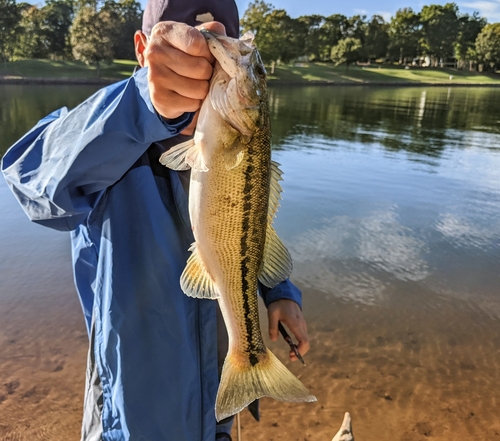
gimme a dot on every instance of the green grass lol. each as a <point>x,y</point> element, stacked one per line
<point>118,70</point>
<point>377,74</point>
<point>299,73</point>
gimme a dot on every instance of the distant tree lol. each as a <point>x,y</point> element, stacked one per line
<point>440,29</point>
<point>278,37</point>
<point>10,17</point>
<point>90,36</point>
<point>376,38</point>
<point>254,17</point>
<point>56,23</point>
<point>469,28</point>
<point>313,29</point>
<point>31,41</point>
<point>404,35</point>
<point>346,51</point>
<point>332,31</point>
<point>488,46</point>
<point>125,16</point>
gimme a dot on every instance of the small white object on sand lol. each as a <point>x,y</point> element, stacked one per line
<point>345,432</point>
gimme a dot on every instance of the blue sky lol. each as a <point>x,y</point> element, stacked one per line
<point>295,8</point>
<point>490,9</point>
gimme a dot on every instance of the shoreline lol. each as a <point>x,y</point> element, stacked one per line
<point>107,81</point>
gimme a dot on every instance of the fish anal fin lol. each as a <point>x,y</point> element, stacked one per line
<point>277,262</point>
<point>242,383</point>
<point>195,280</point>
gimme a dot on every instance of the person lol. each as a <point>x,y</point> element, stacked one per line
<point>152,369</point>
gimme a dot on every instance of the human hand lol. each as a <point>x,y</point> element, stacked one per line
<point>179,66</point>
<point>289,313</point>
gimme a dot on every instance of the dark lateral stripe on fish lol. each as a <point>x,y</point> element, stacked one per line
<point>253,350</point>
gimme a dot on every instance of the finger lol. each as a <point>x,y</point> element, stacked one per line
<point>298,328</point>
<point>164,78</point>
<point>182,37</point>
<point>213,26</point>
<point>178,61</point>
<point>172,105</point>
<point>273,317</point>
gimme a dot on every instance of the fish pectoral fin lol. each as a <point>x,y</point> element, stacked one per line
<point>184,156</point>
<point>233,157</point>
<point>276,262</point>
<point>275,193</point>
<point>195,280</point>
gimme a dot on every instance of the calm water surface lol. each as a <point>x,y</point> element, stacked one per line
<point>391,211</point>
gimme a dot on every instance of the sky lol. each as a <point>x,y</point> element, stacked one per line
<point>490,9</point>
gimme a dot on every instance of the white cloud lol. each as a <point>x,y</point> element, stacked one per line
<point>488,9</point>
<point>356,258</point>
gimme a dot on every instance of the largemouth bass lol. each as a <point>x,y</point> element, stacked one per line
<point>233,197</point>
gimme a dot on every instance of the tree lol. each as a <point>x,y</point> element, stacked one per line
<point>254,17</point>
<point>440,30</point>
<point>278,37</point>
<point>125,17</point>
<point>9,20</point>
<point>346,51</point>
<point>376,38</point>
<point>31,42</point>
<point>469,28</point>
<point>488,46</point>
<point>313,28</point>
<point>56,23</point>
<point>404,35</point>
<point>332,31</point>
<point>90,36</point>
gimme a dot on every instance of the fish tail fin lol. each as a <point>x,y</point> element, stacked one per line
<point>242,383</point>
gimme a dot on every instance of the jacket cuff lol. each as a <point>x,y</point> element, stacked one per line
<point>284,290</point>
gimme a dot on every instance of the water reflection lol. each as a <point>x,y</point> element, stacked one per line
<point>424,121</point>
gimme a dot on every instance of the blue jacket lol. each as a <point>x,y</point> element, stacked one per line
<point>94,171</point>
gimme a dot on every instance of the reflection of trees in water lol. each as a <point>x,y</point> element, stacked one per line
<point>22,106</point>
<point>418,120</point>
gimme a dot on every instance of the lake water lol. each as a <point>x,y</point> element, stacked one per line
<point>391,210</point>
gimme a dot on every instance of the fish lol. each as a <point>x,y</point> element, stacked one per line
<point>234,195</point>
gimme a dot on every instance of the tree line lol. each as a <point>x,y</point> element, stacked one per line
<point>432,36</point>
<point>90,31</point>
<point>96,31</point>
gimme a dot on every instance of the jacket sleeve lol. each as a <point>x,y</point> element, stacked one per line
<point>60,168</point>
<point>284,290</point>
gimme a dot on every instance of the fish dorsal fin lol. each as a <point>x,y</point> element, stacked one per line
<point>195,280</point>
<point>275,193</point>
<point>184,156</point>
<point>276,262</point>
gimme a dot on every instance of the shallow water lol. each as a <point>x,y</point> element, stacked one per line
<point>391,211</point>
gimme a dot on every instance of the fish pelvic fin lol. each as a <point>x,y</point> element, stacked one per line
<point>241,383</point>
<point>195,279</point>
<point>184,156</point>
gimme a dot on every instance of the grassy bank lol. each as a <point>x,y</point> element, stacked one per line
<point>379,74</point>
<point>299,73</point>
<point>66,70</point>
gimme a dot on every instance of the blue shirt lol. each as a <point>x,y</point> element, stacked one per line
<point>93,171</point>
